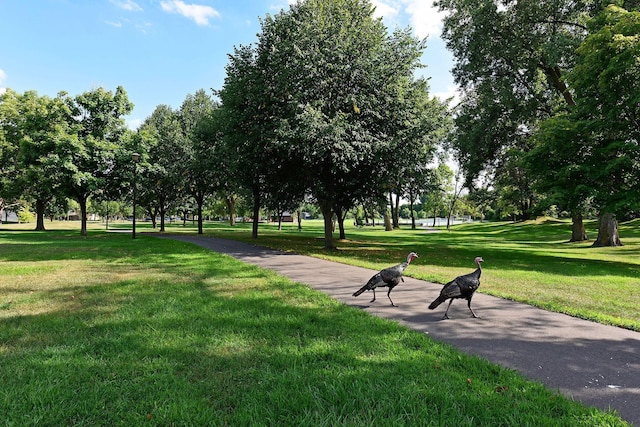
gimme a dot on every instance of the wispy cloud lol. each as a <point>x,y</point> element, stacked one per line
<point>144,27</point>
<point>385,9</point>
<point>452,94</point>
<point>114,24</point>
<point>199,13</point>
<point>423,16</point>
<point>127,5</point>
<point>3,77</point>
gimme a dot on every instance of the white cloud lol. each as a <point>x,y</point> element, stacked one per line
<point>3,77</point>
<point>199,13</point>
<point>425,18</point>
<point>127,5</point>
<point>385,10</point>
<point>452,94</point>
<point>134,124</point>
<point>114,24</point>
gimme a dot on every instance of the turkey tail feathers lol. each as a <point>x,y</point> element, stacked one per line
<point>361,290</point>
<point>436,303</point>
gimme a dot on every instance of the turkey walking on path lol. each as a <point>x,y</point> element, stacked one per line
<point>460,287</point>
<point>389,277</point>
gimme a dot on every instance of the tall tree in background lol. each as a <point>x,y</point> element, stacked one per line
<point>201,139</point>
<point>511,63</point>
<point>247,126</point>
<point>337,74</point>
<point>559,160</point>
<point>606,80</point>
<point>45,127</point>
<point>10,136</point>
<point>98,116</point>
<point>165,164</point>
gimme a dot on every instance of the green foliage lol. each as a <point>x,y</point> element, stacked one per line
<point>326,102</point>
<point>531,261</point>
<point>25,215</point>
<point>106,330</point>
<point>162,172</point>
<point>606,80</point>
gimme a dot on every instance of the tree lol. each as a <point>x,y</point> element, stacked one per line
<point>606,80</point>
<point>10,136</point>
<point>340,76</point>
<point>511,62</point>
<point>98,120</point>
<point>202,135</point>
<point>434,198</point>
<point>559,160</point>
<point>247,126</point>
<point>164,176</point>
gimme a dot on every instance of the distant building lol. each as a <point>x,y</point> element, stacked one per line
<point>8,216</point>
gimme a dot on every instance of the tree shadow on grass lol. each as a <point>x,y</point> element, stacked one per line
<point>267,352</point>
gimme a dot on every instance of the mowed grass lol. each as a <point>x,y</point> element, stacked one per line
<point>110,331</point>
<point>530,262</point>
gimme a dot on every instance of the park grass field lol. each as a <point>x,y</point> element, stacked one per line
<point>107,330</point>
<point>530,262</point>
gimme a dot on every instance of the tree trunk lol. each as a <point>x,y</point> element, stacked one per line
<point>82,201</point>
<point>413,217</point>
<point>578,232</point>
<point>231,207</point>
<point>40,215</point>
<point>608,231</point>
<point>162,213</point>
<point>388,226</point>
<point>199,201</point>
<point>327,213</point>
<point>341,216</point>
<point>394,210</point>
<point>256,214</point>
<point>299,219</point>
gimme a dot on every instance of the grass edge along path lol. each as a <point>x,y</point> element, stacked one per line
<point>106,330</point>
<point>529,262</point>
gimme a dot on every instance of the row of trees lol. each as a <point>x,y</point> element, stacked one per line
<point>551,104</point>
<point>326,107</point>
<point>62,147</point>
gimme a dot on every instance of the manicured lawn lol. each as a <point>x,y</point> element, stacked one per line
<point>531,262</point>
<point>108,331</point>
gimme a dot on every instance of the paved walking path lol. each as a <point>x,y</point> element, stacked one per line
<point>596,364</point>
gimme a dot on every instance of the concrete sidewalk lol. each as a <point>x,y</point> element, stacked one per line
<point>596,364</point>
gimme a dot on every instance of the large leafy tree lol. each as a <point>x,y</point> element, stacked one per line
<point>606,80</point>
<point>336,76</point>
<point>511,63</point>
<point>559,160</point>
<point>44,126</point>
<point>99,123</point>
<point>163,175</point>
<point>9,146</point>
<point>202,136</point>
<point>248,126</point>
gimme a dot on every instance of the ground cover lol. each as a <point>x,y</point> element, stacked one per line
<point>107,330</point>
<point>530,262</point>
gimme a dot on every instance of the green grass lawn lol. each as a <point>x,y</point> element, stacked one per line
<point>530,262</point>
<point>109,331</point>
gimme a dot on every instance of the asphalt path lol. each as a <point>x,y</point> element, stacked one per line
<point>595,364</point>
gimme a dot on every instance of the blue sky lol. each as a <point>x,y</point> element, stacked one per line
<point>159,50</point>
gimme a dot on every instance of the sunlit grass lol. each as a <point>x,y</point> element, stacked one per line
<point>107,330</point>
<point>531,262</point>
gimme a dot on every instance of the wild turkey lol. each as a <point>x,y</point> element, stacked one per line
<point>389,277</point>
<point>460,287</point>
